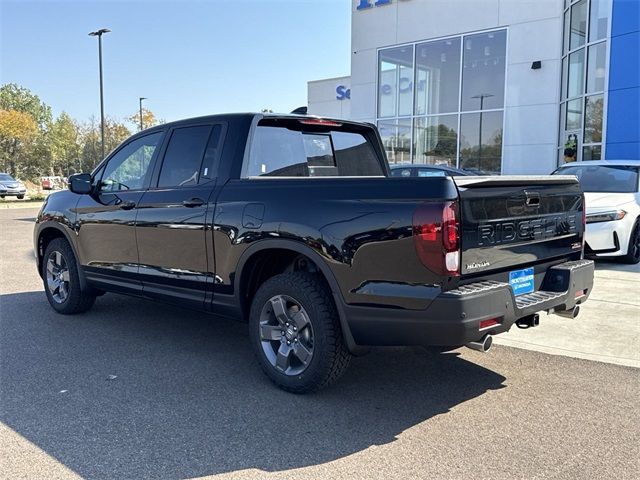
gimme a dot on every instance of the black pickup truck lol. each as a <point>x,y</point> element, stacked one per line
<point>294,224</point>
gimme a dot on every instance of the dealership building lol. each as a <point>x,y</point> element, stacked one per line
<point>504,86</point>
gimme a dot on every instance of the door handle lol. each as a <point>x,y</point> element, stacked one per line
<point>193,202</point>
<point>127,205</point>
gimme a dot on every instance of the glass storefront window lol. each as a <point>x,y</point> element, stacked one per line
<point>395,82</point>
<point>483,71</point>
<point>596,65</point>
<point>574,114</point>
<point>435,140</point>
<point>578,28</point>
<point>437,76</point>
<point>593,113</point>
<point>582,109</point>
<point>481,141</point>
<point>421,95</point>
<point>396,138</point>
<point>592,152</point>
<point>563,120</point>
<point>575,75</point>
<point>599,19</point>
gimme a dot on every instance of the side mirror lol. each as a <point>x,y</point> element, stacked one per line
<point>80,183</point>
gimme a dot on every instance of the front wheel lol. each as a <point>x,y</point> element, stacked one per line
<point>20,197</point>
<point>633,249</point>
<point>295,333</point>
<point>62,281</point>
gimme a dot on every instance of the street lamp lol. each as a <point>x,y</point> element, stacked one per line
<point>141,124</point>
<point>481,96</point>
<point>99,33</point>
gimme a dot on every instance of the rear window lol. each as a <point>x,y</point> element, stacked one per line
<point>427,172</point>
<point>295,150</point>
<point>400,172</point>
<point>604,178</point>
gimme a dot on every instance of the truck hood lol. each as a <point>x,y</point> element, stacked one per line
<point>598,202</point>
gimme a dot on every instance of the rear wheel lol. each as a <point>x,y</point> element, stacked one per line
<point>633,249</point>
<point>62,281</point>
<point>295,333</point>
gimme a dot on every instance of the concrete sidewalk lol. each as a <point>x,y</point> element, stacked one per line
<point>607,329</point>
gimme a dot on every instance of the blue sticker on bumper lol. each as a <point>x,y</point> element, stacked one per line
<point>521,281</point>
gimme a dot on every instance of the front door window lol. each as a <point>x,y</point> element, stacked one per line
<point>127,169</point>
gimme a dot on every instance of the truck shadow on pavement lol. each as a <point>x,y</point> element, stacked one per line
<point>188,398</point>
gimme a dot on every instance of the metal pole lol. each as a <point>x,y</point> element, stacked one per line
<point>101,93</point>
<point>141,121</point>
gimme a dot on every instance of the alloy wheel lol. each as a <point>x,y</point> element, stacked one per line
<point>57,277</point>
<point>634,243</point>
<point>286,335</point>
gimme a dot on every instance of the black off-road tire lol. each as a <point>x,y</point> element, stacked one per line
<point>77,300</point>
<point>330,356</point>
<point>20,197</point>
<point>633,249</point>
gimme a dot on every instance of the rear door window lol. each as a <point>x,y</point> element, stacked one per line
<point>286,152</point>
<point>210,163</point>
<point>183,157</point>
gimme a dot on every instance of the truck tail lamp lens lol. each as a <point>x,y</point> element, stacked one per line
<point>492,322</point>
<point>436,236</point>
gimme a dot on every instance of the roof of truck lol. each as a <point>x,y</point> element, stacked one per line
<point>230,116</point>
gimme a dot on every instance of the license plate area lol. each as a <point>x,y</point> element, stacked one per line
<point>522,281</point>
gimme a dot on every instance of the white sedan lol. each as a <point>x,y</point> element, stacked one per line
<point>613,207</point>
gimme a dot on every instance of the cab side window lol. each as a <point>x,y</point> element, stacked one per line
<point>183,157</point>
<point>127,169</point>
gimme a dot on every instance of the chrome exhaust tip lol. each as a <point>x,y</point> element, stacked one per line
<point>571,313</point>
<point>529,321</point>
<point>483,345</point>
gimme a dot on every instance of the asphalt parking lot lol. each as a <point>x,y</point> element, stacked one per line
<point>134,389</point>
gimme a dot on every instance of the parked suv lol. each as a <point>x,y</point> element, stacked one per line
<point>294,224</point>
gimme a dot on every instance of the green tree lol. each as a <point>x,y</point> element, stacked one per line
<point>65,146</point>
<point>15,97</point>
<point>148,119</point>
<point>18,131</point>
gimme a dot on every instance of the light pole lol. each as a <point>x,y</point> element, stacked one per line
<point>99,33</point>
<point>481,96</point>
<point>141,124</point>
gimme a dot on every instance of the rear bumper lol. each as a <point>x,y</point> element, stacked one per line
<point>454,317</point>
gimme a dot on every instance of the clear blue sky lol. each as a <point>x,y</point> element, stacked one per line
<point>188,57</point>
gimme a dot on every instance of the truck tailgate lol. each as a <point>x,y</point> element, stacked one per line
<point>518,220</point>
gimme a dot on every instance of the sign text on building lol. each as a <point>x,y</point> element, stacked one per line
<point>364,4</point>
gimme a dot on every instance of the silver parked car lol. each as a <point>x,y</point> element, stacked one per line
<point>10,187</point>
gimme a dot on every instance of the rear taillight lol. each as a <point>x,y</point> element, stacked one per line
<point>436,236</point>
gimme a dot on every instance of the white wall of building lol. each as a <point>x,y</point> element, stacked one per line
<point>323,98</point>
